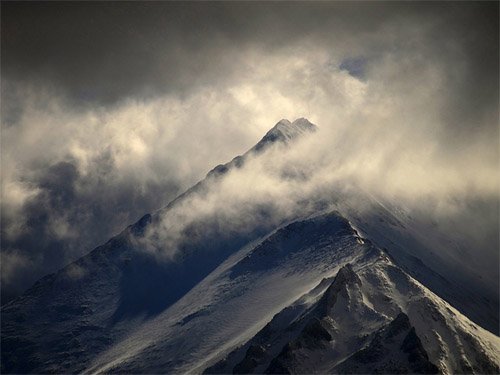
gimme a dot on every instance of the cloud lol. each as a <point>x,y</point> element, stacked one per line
<point>289,182</point>
<point>110,112</point>
<point>178,48</point>
<point>14,265</point>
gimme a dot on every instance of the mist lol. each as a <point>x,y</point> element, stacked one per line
<point>406,104</point>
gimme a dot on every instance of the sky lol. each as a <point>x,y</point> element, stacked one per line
<point>109,110</point>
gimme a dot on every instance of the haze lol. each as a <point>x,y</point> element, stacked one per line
<point>110,110</point>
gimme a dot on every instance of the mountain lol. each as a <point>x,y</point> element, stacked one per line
<point>284,131</point>
<point>371,317</point>
<point>329,290</point>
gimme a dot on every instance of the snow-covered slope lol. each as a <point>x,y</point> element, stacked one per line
<point>284,131</point>
<point>238,298</point>
<point>68,317</point>
<point>372,318</point>
<point>309,294</point>
<point>440,260</point>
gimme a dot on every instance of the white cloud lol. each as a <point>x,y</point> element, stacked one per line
<point>386,134</point>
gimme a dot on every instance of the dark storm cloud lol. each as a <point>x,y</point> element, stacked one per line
<point>105,51</point>
<point>355,66</point>
<point>64,220</point>
<point>109,109</point>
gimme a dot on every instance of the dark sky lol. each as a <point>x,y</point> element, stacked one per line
<point>110,109</point>
<point>106,51</point>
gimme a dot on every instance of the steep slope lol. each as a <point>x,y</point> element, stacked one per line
<point>238,298</point>
<point>304,293</point>
<point>372,318</point>
<point>428,254</point>
<point>68,317</point>
<point>394,349</point>
<point>284,131</point>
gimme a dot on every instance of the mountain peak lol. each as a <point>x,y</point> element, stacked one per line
<point>292,129</point>
<point>284,131</point>
<point>345,278</point>
<point>304,123</point>
<point>283,122</point>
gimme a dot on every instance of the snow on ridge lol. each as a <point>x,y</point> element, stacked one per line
<point>380,319</point>
<point>290,130</point>
<point>284,131</point>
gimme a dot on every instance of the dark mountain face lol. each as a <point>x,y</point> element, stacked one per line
<point>300,294</point>
<point>131,282</point>
<point>394,349</point>
<point>354,324</point>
